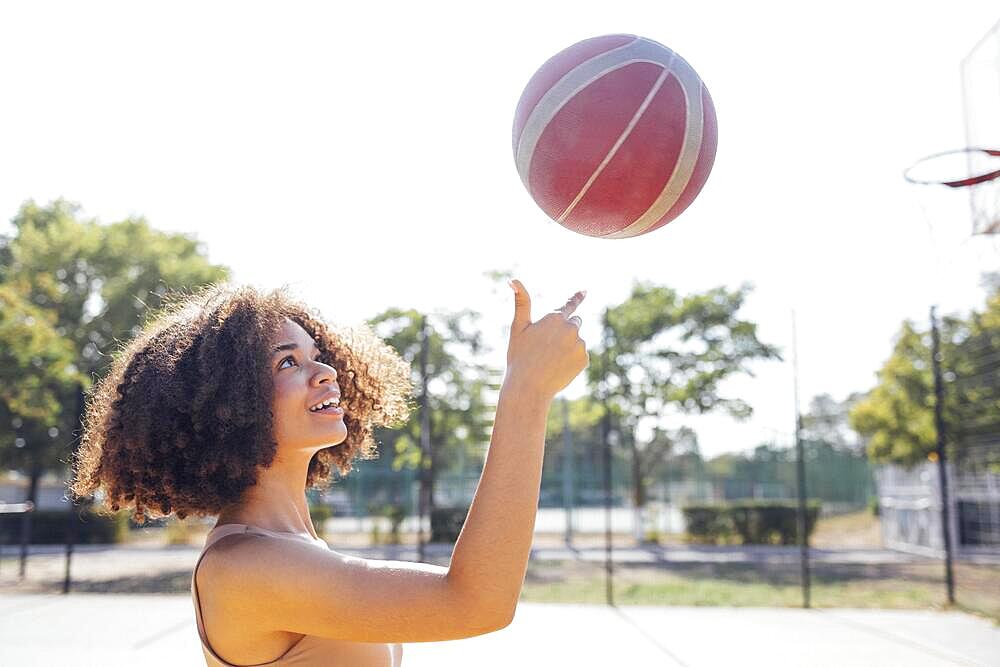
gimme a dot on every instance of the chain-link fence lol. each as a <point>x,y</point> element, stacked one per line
<point>729,534</point>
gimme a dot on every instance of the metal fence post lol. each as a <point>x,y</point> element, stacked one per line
<point>800,475</point>
<point>939,448</point>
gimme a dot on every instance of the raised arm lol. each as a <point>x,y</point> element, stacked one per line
<point>291,586</point>
<point>491,554</point>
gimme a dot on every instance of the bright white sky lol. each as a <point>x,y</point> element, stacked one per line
<point>361,153</point>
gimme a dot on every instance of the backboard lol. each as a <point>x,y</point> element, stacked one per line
<point>981,103</point>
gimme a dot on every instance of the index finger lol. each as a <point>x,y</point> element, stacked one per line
<point>571,305</point>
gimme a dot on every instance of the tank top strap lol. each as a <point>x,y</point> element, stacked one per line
<point>214,536</point>
<point>225,530</point>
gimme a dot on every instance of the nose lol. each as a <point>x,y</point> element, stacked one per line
<point>325,373</point>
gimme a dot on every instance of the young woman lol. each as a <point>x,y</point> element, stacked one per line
<point>233,402</point>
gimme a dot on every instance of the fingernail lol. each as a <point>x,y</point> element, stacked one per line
<point>583,293</point>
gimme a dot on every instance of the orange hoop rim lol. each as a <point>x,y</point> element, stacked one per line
<point>955,183</point>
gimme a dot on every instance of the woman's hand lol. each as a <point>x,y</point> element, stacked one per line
<point>546,355</point>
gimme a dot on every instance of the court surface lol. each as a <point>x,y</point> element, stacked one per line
<point>107,630</point>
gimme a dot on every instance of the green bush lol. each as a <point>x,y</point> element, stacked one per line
<point>395,514</point>
<point>873,505</point>
<point>447,522</point>
<point>707,524</point>
<point>748,522</point>
<point>768,522</point>
<point>52,526</point>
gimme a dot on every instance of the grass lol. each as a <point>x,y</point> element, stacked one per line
<point>911,586</point>
<point>856,530</point>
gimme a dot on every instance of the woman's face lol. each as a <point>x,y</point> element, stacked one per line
<point>300,383</point>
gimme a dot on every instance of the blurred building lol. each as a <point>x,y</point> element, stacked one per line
<point>910,507</point>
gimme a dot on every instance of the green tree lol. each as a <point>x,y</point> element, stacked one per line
<point>668,355</point>
<point>827,421</point>
<point>897,415</point>
<point>37,369</point>
<point>973,380</point>
<point>100,280</point>
<point>96,284</point>
<point>460,392</point>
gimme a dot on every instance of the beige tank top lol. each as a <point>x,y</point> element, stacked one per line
<point>309,651</point>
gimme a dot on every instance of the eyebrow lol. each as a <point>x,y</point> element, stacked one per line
<point>290,346</point>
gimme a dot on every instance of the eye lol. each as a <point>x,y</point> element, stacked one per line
<point>281,364</point>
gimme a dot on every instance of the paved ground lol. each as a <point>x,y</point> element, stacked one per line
<point>110,630</point>
<point>93,627</point>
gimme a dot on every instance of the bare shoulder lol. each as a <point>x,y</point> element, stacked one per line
<point>232,633</point>
<point>222,560</point>
<point>230,567</point>
<point>279,587</point>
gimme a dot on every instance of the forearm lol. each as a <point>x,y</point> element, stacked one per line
<point>491,554</point>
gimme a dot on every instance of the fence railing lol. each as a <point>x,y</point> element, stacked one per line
<point>23,509</point>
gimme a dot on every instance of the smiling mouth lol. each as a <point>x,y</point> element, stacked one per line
<point>332,410</point>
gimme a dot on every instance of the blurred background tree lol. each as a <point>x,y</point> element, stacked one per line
<point>669,355</point>
<point>826,420</point>
<point>85,288</point>
<point>37,371</point>
<point>897,416</point>
<point>460,393</point>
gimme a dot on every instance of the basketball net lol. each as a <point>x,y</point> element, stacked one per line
<point>985,199</point>
<point>959,259</point>
<point>980,70</point>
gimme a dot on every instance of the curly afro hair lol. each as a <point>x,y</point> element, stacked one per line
<point>183,420</point>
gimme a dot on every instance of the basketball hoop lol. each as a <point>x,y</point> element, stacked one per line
<point>977,169</point>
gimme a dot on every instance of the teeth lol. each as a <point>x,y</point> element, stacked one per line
<point>327,402</point>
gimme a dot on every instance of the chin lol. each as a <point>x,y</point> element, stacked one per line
<point>312,449</point>
<point>335,442</point>
<point>313,444</point>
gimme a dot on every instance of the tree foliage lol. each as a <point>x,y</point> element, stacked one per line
<point>827,420</point>
<point>36,365</point>
<point>667,355</point>
<point>85,287</point>
<point>897,415</point>
<point>37,372</point>
<point>460,387</point>
<point>973,380</point>
<point>100,281</point>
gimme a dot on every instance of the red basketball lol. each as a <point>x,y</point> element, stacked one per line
<point>615,136</point>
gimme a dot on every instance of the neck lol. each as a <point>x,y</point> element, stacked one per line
<point>278,500</point>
